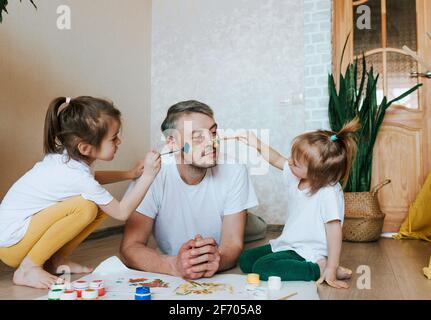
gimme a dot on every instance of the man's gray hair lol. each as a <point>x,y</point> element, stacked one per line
<point>181,108</point>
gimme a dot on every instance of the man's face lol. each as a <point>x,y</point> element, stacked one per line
<point>199,131</point>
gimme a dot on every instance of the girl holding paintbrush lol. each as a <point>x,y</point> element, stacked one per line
<point>58,203</point>
<point>310,244</point>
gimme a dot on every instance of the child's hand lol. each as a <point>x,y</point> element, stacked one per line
<point>152,164</point>
<point>137,171</point>
<point>330,276</point>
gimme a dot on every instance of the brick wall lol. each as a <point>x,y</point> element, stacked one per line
<point>318,60</point>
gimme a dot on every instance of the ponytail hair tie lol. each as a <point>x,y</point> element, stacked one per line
<point>334,138</point>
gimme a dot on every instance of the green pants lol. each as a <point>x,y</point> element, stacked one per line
<point>288,265</point>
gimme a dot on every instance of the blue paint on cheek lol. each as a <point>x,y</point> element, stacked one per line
<point>186,148</point>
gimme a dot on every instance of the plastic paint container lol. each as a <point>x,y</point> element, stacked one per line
<point>274,283</point>
<point>253,278</point>
<point>59,286</point>
<point>69,295</point>
<point>55,294</point>
<point>98,285</point>
<point>80,286</point>
<point>143,293</point>
<point>89,294</point>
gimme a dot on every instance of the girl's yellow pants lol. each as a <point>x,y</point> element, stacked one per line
<point>58,229</point>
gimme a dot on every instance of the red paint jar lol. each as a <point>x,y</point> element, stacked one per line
<point>80,286</point>
<point>98,285</point>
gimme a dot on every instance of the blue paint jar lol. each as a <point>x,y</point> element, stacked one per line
<point>143,293</point>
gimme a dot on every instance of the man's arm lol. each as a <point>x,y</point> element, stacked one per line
<point>137,255</point>
<point>134,250</point>
<point>232,240</point>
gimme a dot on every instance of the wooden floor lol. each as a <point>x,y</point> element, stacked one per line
<point>395,267</point>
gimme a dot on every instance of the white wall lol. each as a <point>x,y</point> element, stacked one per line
<point>106,54</point>
<point>246,59</point>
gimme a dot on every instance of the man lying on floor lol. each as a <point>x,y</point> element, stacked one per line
<point>195,207</point>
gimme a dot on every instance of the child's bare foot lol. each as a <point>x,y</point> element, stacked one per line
<point>62,265</point>
<point>30,275</point>
<point>342,273</point>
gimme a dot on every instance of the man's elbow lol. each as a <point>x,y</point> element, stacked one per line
<point>231,255</point>
<point>236,250</point>
<point>126,255</point>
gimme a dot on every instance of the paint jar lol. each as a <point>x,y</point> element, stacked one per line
<point>89,294</point>
<point>69,295</point>
<point>80,286</point>
<point>143,293</point>
<point>59,286</point>
<point>253,278</point>
<point>274,283</point>
<point>98,285</point>
<point>253,281</point>
<point>55,294</point>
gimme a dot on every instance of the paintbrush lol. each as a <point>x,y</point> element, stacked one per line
<point>229,138</point>
<point>289,296</point>
<point>185,148</point>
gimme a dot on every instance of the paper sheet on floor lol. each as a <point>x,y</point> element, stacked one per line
<point>121,283</point>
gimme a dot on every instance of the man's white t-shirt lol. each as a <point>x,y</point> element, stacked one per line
<point>52,180</point>
<point>182,211</point>
<point>304,231</point>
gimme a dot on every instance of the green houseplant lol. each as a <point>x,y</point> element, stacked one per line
<point>3,5</point>
<point>358,98</point>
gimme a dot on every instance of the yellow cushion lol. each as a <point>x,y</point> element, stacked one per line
<point>418,222</point>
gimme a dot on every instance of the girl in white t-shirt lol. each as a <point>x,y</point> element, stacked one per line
<point>310,245</point>
<point>49,211</point>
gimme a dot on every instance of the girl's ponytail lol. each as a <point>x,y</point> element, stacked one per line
<point>52,127</point>
<point>347,136</point>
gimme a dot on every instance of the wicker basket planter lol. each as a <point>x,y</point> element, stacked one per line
<point>363,220</point>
